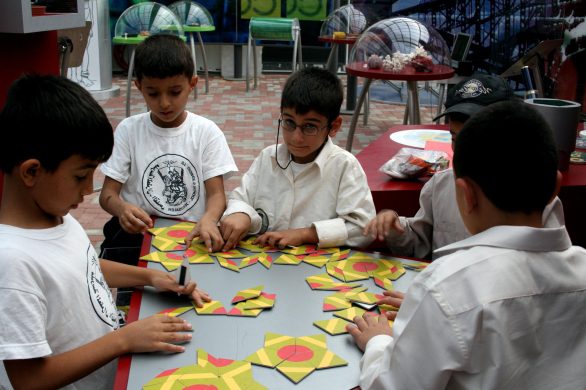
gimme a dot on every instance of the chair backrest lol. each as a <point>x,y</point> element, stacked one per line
<point>276,29</point>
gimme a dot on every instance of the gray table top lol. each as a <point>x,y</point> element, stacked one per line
<point>297,306</point>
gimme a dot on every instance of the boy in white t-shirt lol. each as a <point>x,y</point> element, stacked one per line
<point>306,190</point>
<point>167,162</point>
<point>59,326</point>
<point>503,308</point>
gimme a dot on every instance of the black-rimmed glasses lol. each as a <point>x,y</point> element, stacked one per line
<point>306,129</point>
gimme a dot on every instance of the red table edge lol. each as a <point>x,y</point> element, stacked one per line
<point>123,370</point>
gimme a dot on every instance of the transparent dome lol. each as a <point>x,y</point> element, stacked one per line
<point>344,19</point>
<point>144,19</point>
<point>192,14</point>
<point>404,41</point>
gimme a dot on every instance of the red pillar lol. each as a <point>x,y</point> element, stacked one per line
<point>26,53</point>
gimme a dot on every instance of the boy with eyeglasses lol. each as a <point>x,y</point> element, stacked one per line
<point>306,190</point>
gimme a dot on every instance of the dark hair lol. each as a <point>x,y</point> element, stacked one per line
<point>508,149</point>
<point>313,89</point>
<point>161,56</point>
<point>51,118</point>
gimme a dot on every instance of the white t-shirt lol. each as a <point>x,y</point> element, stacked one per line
<point>163,170</point>
<point>330,193</point>
<point>504,310</point>
<point>53,296</point>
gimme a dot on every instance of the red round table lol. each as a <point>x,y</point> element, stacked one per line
<point>408,74</point>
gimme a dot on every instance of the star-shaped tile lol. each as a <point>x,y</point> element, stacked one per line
<point>295,357</point>
<point>209,373</point>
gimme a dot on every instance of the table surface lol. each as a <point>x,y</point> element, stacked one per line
<point>408,73</point>
<point>296,308</point>
<point>403,195</point>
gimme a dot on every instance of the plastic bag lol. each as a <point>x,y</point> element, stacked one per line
<point>410,163</point>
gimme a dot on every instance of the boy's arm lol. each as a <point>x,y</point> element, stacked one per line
<point>157,333</point>
<point>207,227</point>
<point>426,345</point>
<point>240,217</point>
<point>122,275</point>
<point>132,218</point>
<point>354,208</point>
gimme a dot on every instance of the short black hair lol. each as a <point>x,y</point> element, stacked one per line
<point>51,118</point>
<point>161,56</point>
<point>508,149</point>
<point>313,89</point>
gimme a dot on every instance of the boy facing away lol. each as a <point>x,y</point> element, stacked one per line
<point>437,222</point>
<point>166,162</point>
<point>306,190</point>
<point>503,309</point>
<point>59,323</point>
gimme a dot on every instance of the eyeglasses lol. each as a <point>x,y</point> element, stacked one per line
<point>306,129</point>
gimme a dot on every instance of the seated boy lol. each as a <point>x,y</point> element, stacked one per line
<point>166,162</point>
<point>59,323</point>
<point>306,190</point>
<point>438,223</point>
<point>503,309</point>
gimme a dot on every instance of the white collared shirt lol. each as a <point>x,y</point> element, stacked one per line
<point>330,193</point>
<point>437,223</point>
<point>505,310</point>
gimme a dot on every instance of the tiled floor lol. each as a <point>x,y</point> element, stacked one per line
<point>248,121</point>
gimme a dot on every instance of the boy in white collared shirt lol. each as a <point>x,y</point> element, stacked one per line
<point>306,190</point>
<point>502,309</point>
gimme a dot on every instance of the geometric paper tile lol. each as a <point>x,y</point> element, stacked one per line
<point>288,259</point>
<point>164,244</point>
<point>248,261</point>
<point>264,301</point>
<point>240,310</point>
<point>336,301</point>
<point>228,264</point>
<point>350,313</point>
<point>315,259</point>
<point>265,259</point>
<point>325,282</point>
<point>248,293</point>
<point>341,255</point>
<point>210,308</point>
<point>364,297</point>
<point>300,250</point>
<point>170,261</point>
<point>332,326</point>
<point>198,258</point>
<point>175,311</point>
<point>176,232</point>
<point>385,283</point>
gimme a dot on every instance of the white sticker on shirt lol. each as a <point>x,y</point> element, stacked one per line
<point>170,184</point>
<point>99,292</point>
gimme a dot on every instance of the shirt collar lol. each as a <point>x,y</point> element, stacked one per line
<point>321,159</point>
<point>521,238</point>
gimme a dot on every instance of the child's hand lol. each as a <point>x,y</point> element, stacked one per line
<point>382,224</point>
<point>367,327</point>
<point>162,281</point>
<point>156,333</point>
<point>393,298</point>
<point>283,238</point>
<point>234,227</point>
<point>207,230</point>
<point>134,220</point>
